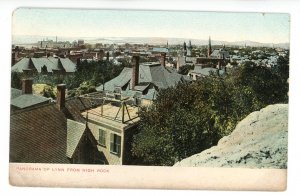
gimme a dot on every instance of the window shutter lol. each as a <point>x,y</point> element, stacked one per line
<point>112,142</point>
<point>118,145</point>
<point>104,138</point>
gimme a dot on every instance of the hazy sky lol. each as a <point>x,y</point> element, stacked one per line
<point>271,28</point>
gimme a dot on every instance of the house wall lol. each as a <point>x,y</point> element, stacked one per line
<point>126,140</point>
<point>111,158</point>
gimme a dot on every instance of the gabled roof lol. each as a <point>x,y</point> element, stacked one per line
<point>68,65</point>
<point>28,100</point>
<point>123,78</point>
<point>23,64</point>
<point>40,62</point>
<point>50,63</point>
<point>220,53</point>
<point>56,64</point>
<point>75,131</point>
<point>148,73</point>
<point>38,135</point>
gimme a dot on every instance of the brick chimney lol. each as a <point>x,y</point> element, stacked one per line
<point>27,86</point>
<point>135,70</point>
<point>163,59</point>
<point>60,97</point>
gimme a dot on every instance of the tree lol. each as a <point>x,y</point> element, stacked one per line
<point>189,118</point>
<point>16,80</point>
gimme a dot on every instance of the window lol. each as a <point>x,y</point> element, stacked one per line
<point>102,137</point>
<point>115,143</point>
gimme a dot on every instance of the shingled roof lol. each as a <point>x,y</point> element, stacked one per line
<point>75,105</point>
<point>76,132</point>
<point>38,135</point>
<point>148,73</point>
<point>51,64</point>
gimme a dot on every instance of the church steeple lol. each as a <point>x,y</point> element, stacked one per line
<point>184,48</point>
<point>209,50</point>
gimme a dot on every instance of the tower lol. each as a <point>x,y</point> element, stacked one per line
<point>189,48</point>
<point>209,50</point>
<point>184,48</point>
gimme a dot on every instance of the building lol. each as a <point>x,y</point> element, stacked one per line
<point>189,49</point>
<point>38,134</point>
<point>113,127</point>
<point>215,63</point>
<point>80,42</point>
<point>92,129</point>
<point>48,65</point>
<point>220,54</point>
<point>200,71</point>
<point>22,99</point>
<point>100,128</point>
<point>81,144</point>
<point>143,80</point>
<point>54,44</point>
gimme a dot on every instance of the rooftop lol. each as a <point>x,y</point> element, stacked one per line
<point>49,63</point>
<point>38,135</point>
<point>112,115</point>
<point>27,100</point>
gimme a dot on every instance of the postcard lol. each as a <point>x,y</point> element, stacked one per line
<point>149,99</point>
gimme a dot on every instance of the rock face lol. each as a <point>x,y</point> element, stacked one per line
<point>258,141</point>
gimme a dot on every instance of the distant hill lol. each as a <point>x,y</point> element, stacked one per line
<point>23,40</point>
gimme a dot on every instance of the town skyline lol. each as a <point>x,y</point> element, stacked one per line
<point>257,27</point>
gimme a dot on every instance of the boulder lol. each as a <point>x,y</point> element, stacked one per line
<point>258,141</point>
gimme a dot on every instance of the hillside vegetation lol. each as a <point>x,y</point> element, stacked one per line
<point>258,141</point>
<point>192,117</point>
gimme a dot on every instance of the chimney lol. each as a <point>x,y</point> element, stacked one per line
<point>163,59</point>
<point>135,70</point>
<point>178,64</point>
<point>27,86</point>
<point>60,97</point>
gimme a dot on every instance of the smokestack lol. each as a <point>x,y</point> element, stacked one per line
<point>27,86</point>
<point>163,59</point>
<point>60,98</point>
<point>135,70</point>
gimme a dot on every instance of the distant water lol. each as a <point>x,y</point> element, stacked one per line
<point>32,40</point>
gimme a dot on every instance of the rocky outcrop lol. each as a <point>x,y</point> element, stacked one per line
<point>258,141</point>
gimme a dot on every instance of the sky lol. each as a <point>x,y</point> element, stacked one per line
<point>225,26</point>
